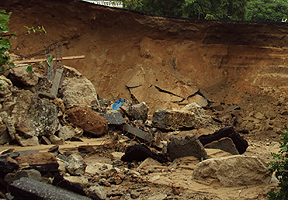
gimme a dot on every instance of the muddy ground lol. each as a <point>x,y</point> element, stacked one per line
<point>235,63</point>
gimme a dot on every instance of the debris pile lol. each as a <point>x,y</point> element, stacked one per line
<point>140,145</point>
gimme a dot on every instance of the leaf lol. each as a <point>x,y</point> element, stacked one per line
<point>29,68</point>
<point>11,64</point>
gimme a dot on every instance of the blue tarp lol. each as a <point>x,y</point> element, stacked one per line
<point>117,104</point>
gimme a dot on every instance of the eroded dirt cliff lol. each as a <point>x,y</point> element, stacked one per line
<point>234,62</point>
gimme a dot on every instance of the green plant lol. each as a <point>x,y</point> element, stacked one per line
<point>40,29</point>
<point>280,167</point>
<point>4,42</point>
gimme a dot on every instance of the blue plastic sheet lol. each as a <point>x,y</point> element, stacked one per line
<point>118,104</point>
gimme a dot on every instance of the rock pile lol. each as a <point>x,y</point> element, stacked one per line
<point>32,116</point>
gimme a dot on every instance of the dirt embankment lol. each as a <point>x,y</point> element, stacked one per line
<point>236,63</point>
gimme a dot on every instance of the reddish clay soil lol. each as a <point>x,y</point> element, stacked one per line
<point>234,62</point>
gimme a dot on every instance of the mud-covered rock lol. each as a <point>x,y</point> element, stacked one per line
<point>88,120</point>
<point>233,171</point>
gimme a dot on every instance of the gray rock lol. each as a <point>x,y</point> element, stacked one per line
<point>20,74</point>
<point>114,118</point>
<point>225,144</point>
<point>35,116</point>
<point>30,173</point>
<point>186,146</point>
<point>26,188</point>
<point>96,192</point>
<point>75,164</point>
<point>136,111</point>
<point>137,132</point>
<point>67,132</point>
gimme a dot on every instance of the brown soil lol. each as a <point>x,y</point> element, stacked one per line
<point>234,62</point>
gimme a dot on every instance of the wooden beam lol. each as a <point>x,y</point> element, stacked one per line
<point>39,60</point>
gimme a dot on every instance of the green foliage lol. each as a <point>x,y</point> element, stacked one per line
<point>280,167</point>
<point>156,7</point>
<point>4,42</point>
<point>267,10</point>
<point>200,9</point>
<point>40,29</point>
<point>29,68</point>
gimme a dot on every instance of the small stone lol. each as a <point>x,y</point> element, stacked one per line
<point>56,140</point>
<point>259,116</point>
<point>116,155</point>
<point>135,195</point>
<point>96,192</point>
<point>75,164</point>
<point>158,197</point>
<point>104,182</point>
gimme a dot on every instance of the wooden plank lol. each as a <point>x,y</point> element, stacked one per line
<point>39,60</point>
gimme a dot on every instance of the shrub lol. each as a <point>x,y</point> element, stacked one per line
<point>280,167</point>
<point>4,42</point>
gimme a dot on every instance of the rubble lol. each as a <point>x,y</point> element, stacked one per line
<point>34,117</point>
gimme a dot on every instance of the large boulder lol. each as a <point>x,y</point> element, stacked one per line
<point>233,171</point>
<point>189,117</point>
<point>34,117</point>
<point>189,145</point>
<point>20,76</point>
<point>77,91</point>
<point>174,119</point>
<point>88,120</point>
